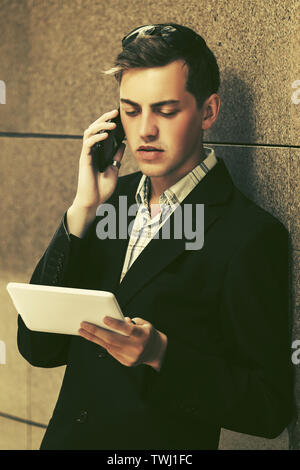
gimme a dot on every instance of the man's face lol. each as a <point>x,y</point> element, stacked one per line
<point>159,113</point>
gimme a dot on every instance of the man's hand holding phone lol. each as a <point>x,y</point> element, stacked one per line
<point>94,187</point>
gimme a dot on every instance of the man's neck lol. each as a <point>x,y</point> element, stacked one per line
<point>160,184</point>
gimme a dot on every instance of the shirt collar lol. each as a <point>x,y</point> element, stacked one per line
<point>176,193</point>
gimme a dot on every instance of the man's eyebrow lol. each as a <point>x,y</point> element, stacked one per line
<point>153,105</point>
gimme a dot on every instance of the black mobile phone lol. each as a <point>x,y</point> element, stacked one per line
<point>104,151</point>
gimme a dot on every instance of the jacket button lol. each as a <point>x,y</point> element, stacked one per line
<point>82,417</point>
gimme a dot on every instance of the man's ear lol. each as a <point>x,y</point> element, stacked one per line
<point>210,111</point>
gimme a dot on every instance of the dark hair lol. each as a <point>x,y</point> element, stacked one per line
<point>153,50</point>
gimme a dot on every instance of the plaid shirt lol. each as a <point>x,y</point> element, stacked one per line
<point>146,226</point>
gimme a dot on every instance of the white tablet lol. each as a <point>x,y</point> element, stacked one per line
<point>61,309</point>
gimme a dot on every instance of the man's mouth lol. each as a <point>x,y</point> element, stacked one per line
<point>147,152</point>
<point>145,148</point>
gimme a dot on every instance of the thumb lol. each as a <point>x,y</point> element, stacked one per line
<point>130,320</point>
<point>140,321</point>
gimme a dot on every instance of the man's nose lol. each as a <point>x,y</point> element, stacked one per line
<point>148,128</point>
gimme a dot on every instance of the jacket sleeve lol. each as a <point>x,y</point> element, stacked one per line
<point>252,391</point>
<point>61,265</point>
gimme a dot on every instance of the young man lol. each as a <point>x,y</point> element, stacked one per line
<point>207,335</point>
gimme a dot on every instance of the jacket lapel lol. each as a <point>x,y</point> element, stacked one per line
<point>213,191</point>
<point>113,250</point>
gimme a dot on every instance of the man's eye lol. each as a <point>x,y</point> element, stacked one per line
<point>162,113</point>
<point>170,113</point>
<point>131,113</point>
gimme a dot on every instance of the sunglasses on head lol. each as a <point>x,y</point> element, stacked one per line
<point>172,34</point>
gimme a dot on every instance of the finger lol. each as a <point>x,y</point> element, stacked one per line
<point>97,129</point>
<point>110,337</point>
<point>107,337</point>
<point>102,126</point>
<point>102,122</point>
<point>117,157</point>
<point>100,341</point>
<point>120,152</point>
<point>91,337</point>
<point>124,327</point>
<point>104,117</point>
<point>95,138</point>
<point>113,350</point>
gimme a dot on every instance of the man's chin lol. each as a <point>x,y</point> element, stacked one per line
<point>152,170</point>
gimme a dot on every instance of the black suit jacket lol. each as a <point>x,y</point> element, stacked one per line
<point>224,309</point>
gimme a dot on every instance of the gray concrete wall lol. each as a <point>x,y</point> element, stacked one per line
<point>51,87</point>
